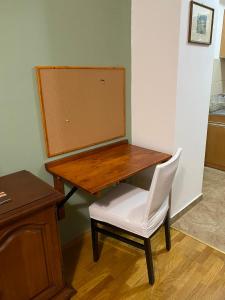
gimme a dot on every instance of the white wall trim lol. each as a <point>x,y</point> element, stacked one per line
<point>185,206</point>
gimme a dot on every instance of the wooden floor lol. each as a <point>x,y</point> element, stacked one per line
<point>191,270</point>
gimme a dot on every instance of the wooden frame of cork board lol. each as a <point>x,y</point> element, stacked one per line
<point>81,106</point>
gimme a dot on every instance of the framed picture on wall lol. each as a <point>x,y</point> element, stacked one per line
<point>200,24</point>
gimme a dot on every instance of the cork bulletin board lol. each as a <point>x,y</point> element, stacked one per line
<point>81,106</point>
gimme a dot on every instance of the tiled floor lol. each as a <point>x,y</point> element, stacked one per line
<point>206,220</point>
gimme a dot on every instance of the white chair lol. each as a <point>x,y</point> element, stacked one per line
<point>138,212</point>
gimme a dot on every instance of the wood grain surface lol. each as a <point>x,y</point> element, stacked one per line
<point>190,270</point>
<point>217,118</point>
<point>27,194</point>
<point>215,146</point>
<point>30,252</point>
<point>95,170</point>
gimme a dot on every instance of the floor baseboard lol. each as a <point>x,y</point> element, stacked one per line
<point>186,209</point>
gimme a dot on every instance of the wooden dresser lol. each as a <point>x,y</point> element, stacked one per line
<point>30,253</point>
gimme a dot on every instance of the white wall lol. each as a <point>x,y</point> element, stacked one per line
<point>220,6</point>
<point>192,106</point>
<point>171,82</point>
<point>155,40</point>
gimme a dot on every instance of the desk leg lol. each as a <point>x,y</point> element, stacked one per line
<point>59,186</point>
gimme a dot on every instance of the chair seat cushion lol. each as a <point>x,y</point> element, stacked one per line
<point>124,207</point>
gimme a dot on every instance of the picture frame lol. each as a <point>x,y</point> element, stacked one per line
<point>200,24</point>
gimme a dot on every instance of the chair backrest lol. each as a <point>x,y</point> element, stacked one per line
<point>161,184</point>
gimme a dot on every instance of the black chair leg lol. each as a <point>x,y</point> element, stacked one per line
<point>94,234</point>
<point>149,261</point>
<point>167,231</point>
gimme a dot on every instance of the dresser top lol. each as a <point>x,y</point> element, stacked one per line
<point>23,192</point>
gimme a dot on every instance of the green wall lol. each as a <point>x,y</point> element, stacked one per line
<point>53,32</point>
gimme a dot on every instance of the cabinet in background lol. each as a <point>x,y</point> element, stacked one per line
<point>215,146</point>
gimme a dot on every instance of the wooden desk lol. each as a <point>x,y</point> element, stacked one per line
<point>94,170</point>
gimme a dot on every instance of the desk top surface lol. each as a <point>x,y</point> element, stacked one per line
<point>97,169</point>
